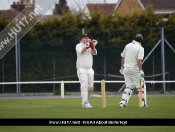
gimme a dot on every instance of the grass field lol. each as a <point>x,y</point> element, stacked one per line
<point>158,107</point>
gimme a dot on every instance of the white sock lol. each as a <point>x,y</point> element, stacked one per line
<point>84,96</point>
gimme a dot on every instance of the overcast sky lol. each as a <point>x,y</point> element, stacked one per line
<point>47,4</point>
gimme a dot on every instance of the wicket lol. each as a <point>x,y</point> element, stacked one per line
<point>103,94</point>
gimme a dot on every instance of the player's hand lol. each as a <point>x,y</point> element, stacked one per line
<point>121,70</point>
<point>91,45</point>
<point>87,46</point>
<point>142,75</point>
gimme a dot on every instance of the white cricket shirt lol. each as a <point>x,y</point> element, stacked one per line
<point>84,60</point>
<point>132,52</point>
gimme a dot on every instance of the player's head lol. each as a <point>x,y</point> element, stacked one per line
<point>138,38</point>
<point>85,38</point>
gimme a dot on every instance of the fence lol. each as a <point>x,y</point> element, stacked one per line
<point>62,83</point>
<point>41,59</point>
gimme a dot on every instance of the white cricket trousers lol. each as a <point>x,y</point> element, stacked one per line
<point>132,77</point>
<point>86,78</point>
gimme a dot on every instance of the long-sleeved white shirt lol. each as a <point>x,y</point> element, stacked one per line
<point>85,59</point>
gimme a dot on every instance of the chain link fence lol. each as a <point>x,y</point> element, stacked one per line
<point>56,63</point>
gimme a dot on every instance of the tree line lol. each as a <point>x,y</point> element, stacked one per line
<point>49,47</point>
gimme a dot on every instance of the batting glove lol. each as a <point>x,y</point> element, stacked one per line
<point>142,75</point>
<point>121,70</point>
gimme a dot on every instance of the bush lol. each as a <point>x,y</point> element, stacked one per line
<point>58,92</point>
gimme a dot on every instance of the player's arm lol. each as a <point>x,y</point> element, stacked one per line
<point>94,51</point>
<point>84,49</point>
<point>80,50</point>
<point>139,61</point>
<point>122,61</point>
<point>123,57</point>
<point>122,65</point>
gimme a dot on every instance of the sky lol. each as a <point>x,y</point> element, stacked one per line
<point>47,4</point>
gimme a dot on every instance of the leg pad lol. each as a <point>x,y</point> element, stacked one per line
<point>125,97</point>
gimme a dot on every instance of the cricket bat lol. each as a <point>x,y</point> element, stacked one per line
<point>145,103</point>
<point>140,94</point>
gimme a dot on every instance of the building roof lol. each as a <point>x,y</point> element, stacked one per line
<point>10,14</point>
<point>18,9</point>
<point>160,6</point>
<point>105,8</point>
<point>128,7</point>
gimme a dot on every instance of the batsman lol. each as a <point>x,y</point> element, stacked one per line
<point>131,68</point>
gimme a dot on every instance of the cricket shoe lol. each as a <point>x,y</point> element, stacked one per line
<point>122,104</point>
<point>86,104</point>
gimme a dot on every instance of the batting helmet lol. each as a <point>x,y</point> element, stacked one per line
<point>138,37</point>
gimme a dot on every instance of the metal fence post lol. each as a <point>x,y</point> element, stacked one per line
<point>163,60</point>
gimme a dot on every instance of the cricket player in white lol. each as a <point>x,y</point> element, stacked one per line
<point>131,67</point>
<point>85,51</point>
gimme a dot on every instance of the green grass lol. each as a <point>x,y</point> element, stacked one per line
<point>88,129</point>
<point>158,107</point>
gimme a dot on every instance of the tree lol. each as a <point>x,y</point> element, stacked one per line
<point>61,8</point>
